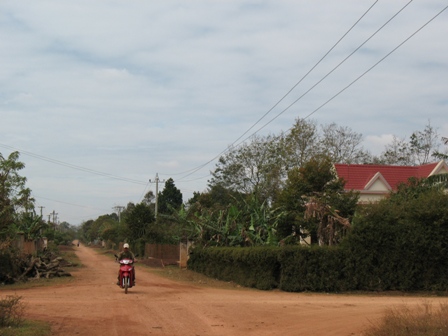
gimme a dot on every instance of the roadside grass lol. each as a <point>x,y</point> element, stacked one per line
<point>424,320</point>
<point>12,319</point>
<point>28,328</point>
<point>176,273</point>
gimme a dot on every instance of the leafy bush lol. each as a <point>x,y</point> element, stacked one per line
<point>11,311</point>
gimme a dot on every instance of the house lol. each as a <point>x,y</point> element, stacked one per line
<point>376,181</point>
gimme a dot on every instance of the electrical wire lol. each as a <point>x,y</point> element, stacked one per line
<point>192,171</point>
<point>345,88</point>
<point>71,204</point>
<point>335,68</point>
<point>381,60</point>
<point>314,111</point>
<point>61,163</point>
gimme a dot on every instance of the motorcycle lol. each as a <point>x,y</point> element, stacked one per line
<point>126,278</point>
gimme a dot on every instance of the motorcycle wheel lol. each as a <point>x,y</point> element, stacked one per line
<point>126,284</point>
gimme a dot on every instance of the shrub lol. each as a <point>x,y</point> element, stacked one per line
<point>11,311</point>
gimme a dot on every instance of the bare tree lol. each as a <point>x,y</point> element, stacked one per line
<point>422,146</point>
<point>397,153</point>
<point>342,144</point>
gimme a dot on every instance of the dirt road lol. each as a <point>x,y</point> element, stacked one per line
<point>94,305</point>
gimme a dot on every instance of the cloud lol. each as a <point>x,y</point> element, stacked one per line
<point>138,88</point>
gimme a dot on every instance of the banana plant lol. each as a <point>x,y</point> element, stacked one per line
<point>30,225</point>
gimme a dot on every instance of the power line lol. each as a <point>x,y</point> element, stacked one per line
<point>192,171</point>
<point>309,71</point>
<point>381,60</point>
<point>72,204</point>
<point>328,74</point>
<point>65,164</point>
<point>345,88</point>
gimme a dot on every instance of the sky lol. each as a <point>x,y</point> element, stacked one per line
<point>100,97</point>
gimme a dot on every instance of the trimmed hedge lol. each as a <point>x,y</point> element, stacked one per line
<point>317,269</point>
<point>255,267</point>
<point>379,263</point>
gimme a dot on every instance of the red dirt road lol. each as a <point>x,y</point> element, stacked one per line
<point>94,305</point>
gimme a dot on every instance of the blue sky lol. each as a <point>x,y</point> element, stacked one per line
<point>128,89</point>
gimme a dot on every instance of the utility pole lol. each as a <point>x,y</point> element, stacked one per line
<point>41,207</point>
<point>55,215</point>
<point>156,181</point>
<point>119,209</point>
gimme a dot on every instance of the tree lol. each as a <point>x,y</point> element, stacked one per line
<point>421,147</point>
<point>397,153</point>
<point>169,198</point>
<point>14,196</point>
<point>423,144</point>
<point>252,168</point>
<point>301,143</point>
<point>342,145</point>
<point>314,200</point>
<point>149,198</point>
<point>216,197</point>
<point>439,155</point>
<point>139,221</point>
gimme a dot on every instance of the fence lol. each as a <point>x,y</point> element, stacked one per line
<point>166,254</point>
<point>29,246</point>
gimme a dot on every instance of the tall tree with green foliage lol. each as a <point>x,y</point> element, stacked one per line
<point>139,220</point>
<point>15,197</point>
<point>169,198</point>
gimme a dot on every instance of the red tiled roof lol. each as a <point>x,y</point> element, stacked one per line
<point>358,176</point>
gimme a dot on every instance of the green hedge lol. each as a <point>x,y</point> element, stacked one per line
<point>256,267</point>
<point>317,269</point>
<point>376,263</point>
<point>405,257</point>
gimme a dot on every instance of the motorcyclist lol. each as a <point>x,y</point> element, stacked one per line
<point>126,254</point>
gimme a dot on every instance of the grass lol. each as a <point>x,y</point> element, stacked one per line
<point>176,273</point>
<point>13,323</point>
<point>27,328</point>
<point>424,320</point>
